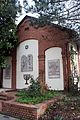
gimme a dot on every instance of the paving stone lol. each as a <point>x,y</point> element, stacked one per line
<point>5,117</point>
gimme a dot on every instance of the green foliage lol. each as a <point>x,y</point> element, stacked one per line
<point>24,97</point>
<point>72,53</point>
<point>8,38</point>
<point>33,94</point>
<point>70,101</point>
<point>73,87</point>
<point>35,88</point>
<point>56,11</point>
<point>58,118</point>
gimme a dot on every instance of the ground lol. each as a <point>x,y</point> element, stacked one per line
<point>5,117</point>
<point>67,108</point>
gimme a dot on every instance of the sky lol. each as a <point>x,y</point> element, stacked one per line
<point>23,12</point>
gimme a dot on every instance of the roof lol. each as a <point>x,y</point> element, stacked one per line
<point>72,33</point>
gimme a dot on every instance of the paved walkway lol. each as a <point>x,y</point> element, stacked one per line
<point>5,117</point>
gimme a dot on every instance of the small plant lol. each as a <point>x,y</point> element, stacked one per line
<point>73,87</point>
<point>73,78</point>
<point>58,118</point>
<point>34,89</point>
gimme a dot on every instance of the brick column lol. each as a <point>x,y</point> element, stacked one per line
<point>1,77</point>
<point>14,70</point>
<point>79,60</point>
<point>42,68</point>
<point>66,66</point>
<point>64,72</point>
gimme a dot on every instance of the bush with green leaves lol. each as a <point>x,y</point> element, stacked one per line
<point>34,94</point>
<point>35,88</point>
<point>58,118</point>
<point>73,87</point>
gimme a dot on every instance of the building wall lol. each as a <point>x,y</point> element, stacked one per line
<point>48,37</point>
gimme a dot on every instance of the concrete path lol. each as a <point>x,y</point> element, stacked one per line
<point>5,117</point>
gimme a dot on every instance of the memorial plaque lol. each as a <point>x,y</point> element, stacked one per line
<point>27,63</point>
<point>30,63</point>
<point>23,63</point>
<point>54,68</point>
<point>7,72</point>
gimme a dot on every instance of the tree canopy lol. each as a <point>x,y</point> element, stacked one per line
<point>8,38</point>
<point>63,12</point>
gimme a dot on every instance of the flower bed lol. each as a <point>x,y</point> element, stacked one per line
<point>26,111</point>
<point>23,97</point>
<point>35,94</point>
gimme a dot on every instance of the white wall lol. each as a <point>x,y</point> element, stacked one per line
<point>54,82</point>
<point>7,73</point>
<point>32,49</point>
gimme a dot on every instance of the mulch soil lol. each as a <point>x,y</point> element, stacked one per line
<point>67,108</point>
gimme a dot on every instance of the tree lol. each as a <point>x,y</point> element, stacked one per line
<point>63,12</point>
<point>8,38</point>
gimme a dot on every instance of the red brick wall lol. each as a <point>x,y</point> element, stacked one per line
<point>14,69</point>
<point>79,60</point>
<point>20,111</point>
<point>48,36</point>
<point>26,111</point>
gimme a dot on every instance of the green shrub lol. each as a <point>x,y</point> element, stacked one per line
<point>58,118</point>
<point>30,99</point>
<point>34,89</point>
<point>34,94</point>
<point>73,88</point>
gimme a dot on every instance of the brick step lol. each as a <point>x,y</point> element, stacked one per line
<point>3,97</point>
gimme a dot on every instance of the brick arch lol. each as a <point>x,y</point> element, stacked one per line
<point>27,39</point>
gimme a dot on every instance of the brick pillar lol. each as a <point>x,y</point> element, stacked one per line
<point>64,72</point>
<point>14,70</point>
<point>1,77</point>
<point>66,66</point>
<point>79,60</point>
<point>42,68</point>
